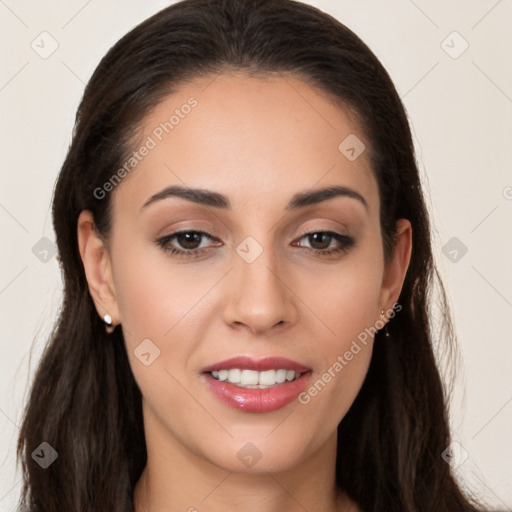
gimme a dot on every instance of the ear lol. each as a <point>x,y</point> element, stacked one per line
<point>98,267</point>
<point>396,268</point>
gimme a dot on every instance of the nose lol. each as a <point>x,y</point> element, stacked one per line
<point>260,294</point>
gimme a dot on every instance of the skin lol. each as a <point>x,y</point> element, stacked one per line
<point>258,141</point>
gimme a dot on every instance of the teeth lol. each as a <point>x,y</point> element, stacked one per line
<point>248,377</point>
<point>281,376</point>
<point>268,378</point>
<point>234,375</point>
<point>254,379</point>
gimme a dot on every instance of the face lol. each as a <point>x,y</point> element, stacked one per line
<point>250,275</point>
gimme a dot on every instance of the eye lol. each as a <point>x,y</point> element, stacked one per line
<point>321,240</point>
<point>190,242</point>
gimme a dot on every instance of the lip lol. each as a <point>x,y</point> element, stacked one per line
<point>259,365</point>
<point>251,399</point>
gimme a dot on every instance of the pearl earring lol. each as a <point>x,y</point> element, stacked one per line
<point>108,324</point>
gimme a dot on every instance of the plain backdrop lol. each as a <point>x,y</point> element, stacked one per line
<point>451,63</point>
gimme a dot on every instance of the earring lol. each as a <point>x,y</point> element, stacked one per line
<point>108,324</point>
<point>386,332</point>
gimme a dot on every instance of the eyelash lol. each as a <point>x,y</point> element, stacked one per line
<point>345,241</point>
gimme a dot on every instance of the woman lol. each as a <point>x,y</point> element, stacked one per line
<point>247,274</point>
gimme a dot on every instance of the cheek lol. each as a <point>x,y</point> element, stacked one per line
<point>347,306</point>
<point>168,304</point>
<point>155,295</point>
<point>332,392</point>
<point>344,298</point>
<point>156,305</point>
<point>346,357</point>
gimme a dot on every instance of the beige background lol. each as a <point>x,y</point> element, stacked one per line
<point>460,109</point>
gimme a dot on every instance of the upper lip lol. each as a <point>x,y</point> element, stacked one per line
<point>260,365</point>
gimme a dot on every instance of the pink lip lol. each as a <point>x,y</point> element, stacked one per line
<point>257,400</point>
<point>259,365</point>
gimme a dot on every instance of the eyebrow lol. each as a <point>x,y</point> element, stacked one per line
<point>216,200</point>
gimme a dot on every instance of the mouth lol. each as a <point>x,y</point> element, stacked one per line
<point>251,379</point>
<point>256,385</point>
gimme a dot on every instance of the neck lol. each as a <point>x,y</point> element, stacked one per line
<point>176,479</point>
<point>251,493</point>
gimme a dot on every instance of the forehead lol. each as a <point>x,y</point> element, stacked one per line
<point>255,139</point>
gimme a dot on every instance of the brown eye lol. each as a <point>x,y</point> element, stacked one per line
<point>320,241</point>
<point>188,243</point>
<point>189,239</point>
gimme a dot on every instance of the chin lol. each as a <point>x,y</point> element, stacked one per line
<point>262,453</point>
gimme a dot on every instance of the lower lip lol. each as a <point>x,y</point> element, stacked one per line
<point>257,400</point>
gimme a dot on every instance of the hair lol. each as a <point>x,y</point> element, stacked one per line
<point>84,400</point>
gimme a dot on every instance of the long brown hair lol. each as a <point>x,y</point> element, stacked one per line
<point>84,401</point>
